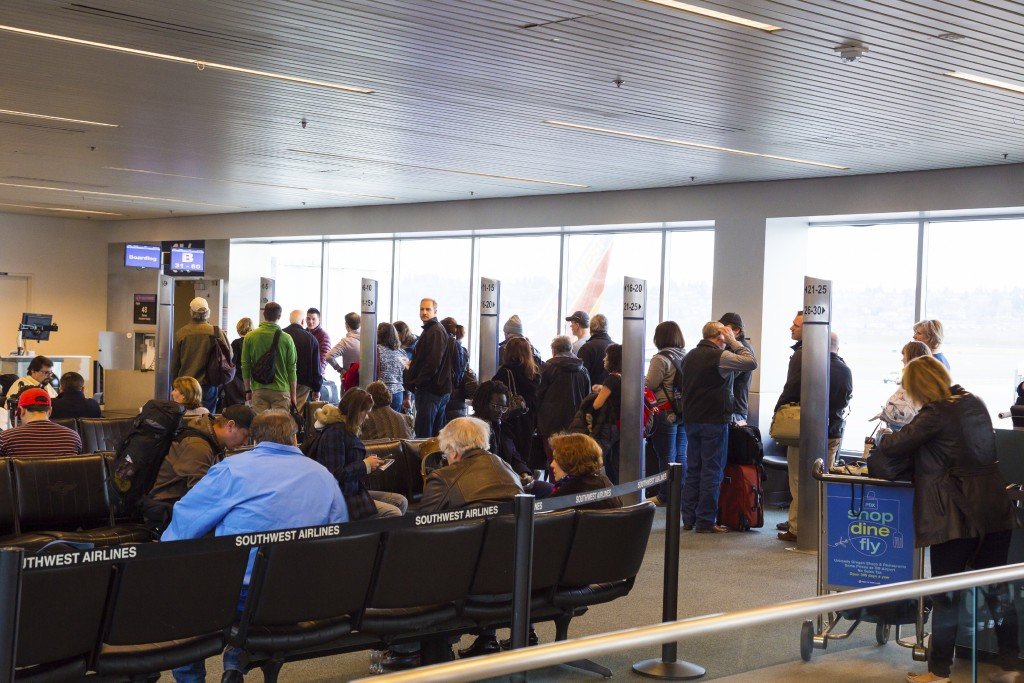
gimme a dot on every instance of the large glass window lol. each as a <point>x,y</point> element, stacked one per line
<point>436,269</point>
<point>528,268</point>
<point>873,303</point>
<point>974,288</point>
<point>347,264</point>
<point>595,267</point>
<point>294,267</point>
<point>691,265</point>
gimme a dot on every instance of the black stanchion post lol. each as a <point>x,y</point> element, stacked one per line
<point>522,569</point>
<point>669,667</point>
<point>10,603</point>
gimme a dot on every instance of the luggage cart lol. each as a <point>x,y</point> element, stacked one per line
<point>867,540</point>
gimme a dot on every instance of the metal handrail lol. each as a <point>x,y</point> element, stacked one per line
<point>539,656</point>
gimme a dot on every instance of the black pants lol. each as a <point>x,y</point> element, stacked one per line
<point>953,557</point>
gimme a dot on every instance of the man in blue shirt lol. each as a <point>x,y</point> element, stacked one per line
<point>273,486</point>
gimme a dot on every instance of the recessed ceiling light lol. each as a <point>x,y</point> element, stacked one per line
<point>115,194</point>
<point>10,112</point>
<point>686,143</point>
<point>199,63</point>
<point>247,182</point>
<point>437,168</point>
<point>985,80</point>
<point>713,14</point>
<point>51,208</point>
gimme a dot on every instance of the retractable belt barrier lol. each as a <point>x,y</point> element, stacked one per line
<point>575,499</point>
<point>260,538</point>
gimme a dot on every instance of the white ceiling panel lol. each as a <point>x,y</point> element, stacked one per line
<point>462,90</point>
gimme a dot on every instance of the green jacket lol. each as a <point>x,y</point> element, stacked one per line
<point>258,342</point>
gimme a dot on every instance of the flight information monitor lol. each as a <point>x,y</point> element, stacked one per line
<point>141,256</point>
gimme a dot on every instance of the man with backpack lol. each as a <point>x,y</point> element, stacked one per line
<point>429,376</point>
<point>194,345</point>
<point>268,364</point>
<point>308,376</point>
<point>195,451</point>
<point>564,383</point>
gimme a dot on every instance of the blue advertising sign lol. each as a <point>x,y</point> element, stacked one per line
<point>870,535</point>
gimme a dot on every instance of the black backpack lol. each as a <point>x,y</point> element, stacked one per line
<point>745,447</point>
<point>460,361</point>
<point>264,369</point>
<point>139,456</point>
<point>676,390</point>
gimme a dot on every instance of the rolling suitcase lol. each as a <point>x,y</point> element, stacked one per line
<point>741,499</point>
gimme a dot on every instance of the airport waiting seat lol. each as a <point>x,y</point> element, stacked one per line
<point>64,497</point>
<point>152,627</point>
<point>58,633</point>
<point>69,422</point>
<point>283,614</point>
<point>103,433</point>
<point>490,596</point>
<point>422,578</point>
<point>10,529</point>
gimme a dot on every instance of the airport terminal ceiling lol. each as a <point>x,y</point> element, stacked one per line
<point>118,109</point>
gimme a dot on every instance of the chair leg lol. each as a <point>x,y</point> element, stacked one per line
<point>562,626</point>
<point>271,670</point>
<point>593,667</point>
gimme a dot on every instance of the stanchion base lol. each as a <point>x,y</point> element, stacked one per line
<point>669,671</point>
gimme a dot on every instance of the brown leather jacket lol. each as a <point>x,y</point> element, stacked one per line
<point>477,478</point>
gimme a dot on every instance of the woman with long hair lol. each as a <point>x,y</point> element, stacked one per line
<point>335,445</point>
<point>961,509</point>
<point>668,441</point>
<point>520,374</point>
<point>391,363</point>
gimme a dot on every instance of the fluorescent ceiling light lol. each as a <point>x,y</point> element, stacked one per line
<point>685,143</point>
<point>51,208</point>
<point>985,80</point>
<point>720,16</point>
<point>198,63</point>
<point>115,194</point>
<point>247,182</point>
<point>10,112</point>
<point>437,168</point>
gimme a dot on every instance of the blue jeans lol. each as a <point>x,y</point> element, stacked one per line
<point>429,413</point>
<point>396,400</point>
<point>669,444</point>
<point>196,671</point>
<point>210,395</point>
<point>705,455</point>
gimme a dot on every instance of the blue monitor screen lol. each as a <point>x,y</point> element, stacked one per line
<point>141,256</point>
<point>188,261</point>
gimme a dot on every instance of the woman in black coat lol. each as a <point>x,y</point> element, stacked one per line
<point>520,374</point>
<point>961,508</point>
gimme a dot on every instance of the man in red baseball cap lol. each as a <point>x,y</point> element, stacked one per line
<point>37,435</point>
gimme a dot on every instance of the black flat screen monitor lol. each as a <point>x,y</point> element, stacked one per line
<point>141,256</point>
<point>36,326</point>
<point>187,261</point>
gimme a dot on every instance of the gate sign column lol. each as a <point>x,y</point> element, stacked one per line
<point>267,287</point>
<point>368,333</point>
<point>814,381</point>
<point>634,330</point>
<point>490,303</point>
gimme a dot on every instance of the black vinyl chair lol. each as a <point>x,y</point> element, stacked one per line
<point>69,422</point>
<point>10,529</point>
<point>304,595</point>
<point>422,576</point>
<point>170,611</point>
<point>490,596</point>
<point>103,433</point>
<point>607,552</point>
<point>60,628</point>
<point>65,497</point>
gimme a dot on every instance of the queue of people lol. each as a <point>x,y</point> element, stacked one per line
<point>550,427</point>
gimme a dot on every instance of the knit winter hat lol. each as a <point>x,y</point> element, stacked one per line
<point>513,326</point>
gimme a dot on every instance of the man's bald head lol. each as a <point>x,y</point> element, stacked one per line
<point>296,317</point>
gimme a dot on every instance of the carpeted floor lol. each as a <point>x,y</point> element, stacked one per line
<point>718,573</point>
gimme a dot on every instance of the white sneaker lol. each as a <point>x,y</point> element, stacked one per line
<point>926,677</point>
